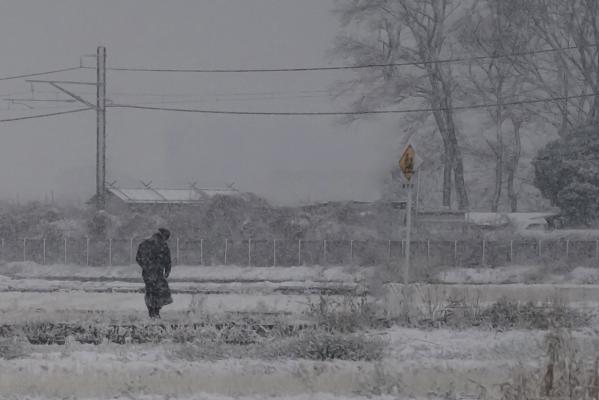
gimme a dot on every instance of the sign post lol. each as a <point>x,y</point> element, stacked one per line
<point>408,164</point>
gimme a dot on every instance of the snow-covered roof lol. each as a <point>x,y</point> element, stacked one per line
<point>487,218</point>
<point>167,196</point>
<point>502,219</point>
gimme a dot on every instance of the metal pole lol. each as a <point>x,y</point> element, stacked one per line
<point>65,252</point>
<point>455,252</point>
<point>351,251</point>
<point>299,252</point>
<point>249,252</point>
<point>428,252</point>
<point>540,248</point>
<point>511,251</point>
<point>226,249</point>
<point>201,251</point>
<point>177,251</point>
<point>44,251</point>
<point>484,251</point>
<point>24,249</point>
<point>389,250</point>
<point>324,246</point>
<point>408,236</point>
<point>110,252</point>
<point>597,249</point>
<point>131,252</point>
<point>87,251</point>
<point>567,249</point>
<point>417,191</point>
<point>101,129</point>
<point>274,252</point>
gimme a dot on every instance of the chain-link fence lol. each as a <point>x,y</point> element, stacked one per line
<point>269,252</point>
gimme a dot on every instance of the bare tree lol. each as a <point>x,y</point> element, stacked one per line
<point>572,74</point>
<point>413,31</point>
<point>492,29</point>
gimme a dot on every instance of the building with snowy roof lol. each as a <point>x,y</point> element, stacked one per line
<point>149,198</point>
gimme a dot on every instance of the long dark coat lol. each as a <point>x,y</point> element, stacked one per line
<point>154,258</point>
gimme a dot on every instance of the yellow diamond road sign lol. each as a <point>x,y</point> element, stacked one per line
<point>408,162</point>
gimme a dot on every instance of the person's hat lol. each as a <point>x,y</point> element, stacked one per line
<point>165,233</point>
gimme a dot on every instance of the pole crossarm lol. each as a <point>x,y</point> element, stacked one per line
<point>43,100</point>
<point>61,82</point>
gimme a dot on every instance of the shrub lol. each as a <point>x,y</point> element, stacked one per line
<point>348,314</point>
<point>11,348</point>
<point>316,344</point>
<point>568,373</point>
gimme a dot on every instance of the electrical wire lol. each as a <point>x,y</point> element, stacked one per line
<point>45,115</point>
<point>345,67</point>
<point>6,78</point>
<point>342,113</point>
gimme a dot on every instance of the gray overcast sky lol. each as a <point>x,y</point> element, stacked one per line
<point>285,159</point>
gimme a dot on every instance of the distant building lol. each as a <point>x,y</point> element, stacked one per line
<point>155,199</point>
<point>442,222</point>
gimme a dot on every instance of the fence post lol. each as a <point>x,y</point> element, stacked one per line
<point>274,252</point>
<point>324,247</point>
<point>24,249</point>
<point>226,249</point>
<point>65,252</point>
<point>484,251</point>
<point>351,252</point>
<point>44,251</point>
<point>110,252</point>
<point>87,251</point>
<point>455,252</point>
<point>299,252</point>
<point>131,252</point>
<point>249,252</point>
<point>511,251</point>
<point>428,253</point>
<point>201,251</point>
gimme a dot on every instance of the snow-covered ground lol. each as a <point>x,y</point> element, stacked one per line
<point>465,364</point>
<point>417,364</point>
<point>520,274</point>
<point>335,275</point>
<point>195,273</point>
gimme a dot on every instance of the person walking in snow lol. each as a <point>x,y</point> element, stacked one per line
<point>154,258</point>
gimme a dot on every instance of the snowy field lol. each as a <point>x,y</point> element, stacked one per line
<point>430,362</point>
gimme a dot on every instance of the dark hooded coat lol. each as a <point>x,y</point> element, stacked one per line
<point>154,258</point>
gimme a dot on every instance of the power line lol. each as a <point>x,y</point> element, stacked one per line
<point>44,115</point>
<point>342,113</point>
<point>344,67</point>
<point>6,78</point>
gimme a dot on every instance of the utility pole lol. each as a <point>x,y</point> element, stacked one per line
<point>101,129</point>
<point>100,108</point>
